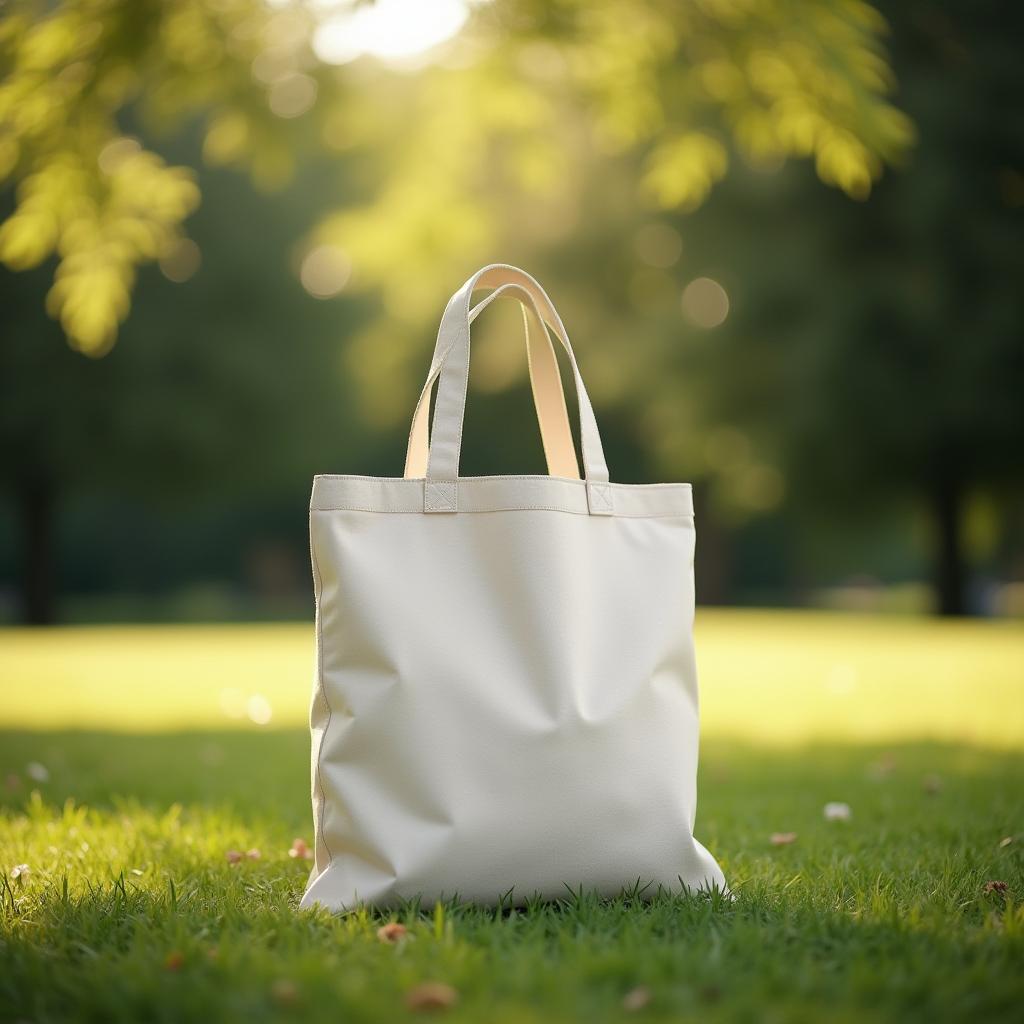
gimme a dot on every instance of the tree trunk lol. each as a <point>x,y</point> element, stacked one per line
<point>950,571</point>
<point>712,564</point>
<point>38,589</point>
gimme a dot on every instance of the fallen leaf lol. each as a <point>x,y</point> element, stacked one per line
<point>253,854</point>
<point>836,811</point>
<point>782,838</point>
<point>234,856</point>
<point>636,998</point>
<point>175,961</point>
<point>284,992</point>
<point>19,871</point>
<point>996,886</point>
<point>392,932</point>
<point>37,772</point>
<point>431,995</point>
<point>300,850</point>
<point>882,768</point>
<point>1005,841</point>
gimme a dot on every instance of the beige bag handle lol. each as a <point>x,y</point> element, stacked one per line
<point>548,400</point>
<point>450,366</point>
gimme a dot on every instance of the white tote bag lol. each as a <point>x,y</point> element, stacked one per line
<point>506,695</point>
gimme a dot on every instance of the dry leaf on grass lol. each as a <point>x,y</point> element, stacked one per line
<point>996,887</point>
<point>782,838</point>
<point>392,932</point>
<point>636,998</point>
<point>300,850</point>
<point>882,768</point>
<point>431,995</point>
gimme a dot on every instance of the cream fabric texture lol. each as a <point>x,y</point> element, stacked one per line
<point>506,696</point>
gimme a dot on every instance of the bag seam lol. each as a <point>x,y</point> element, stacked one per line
<point>507,508</point>
<point>318,583</point>
<point>521,476</point>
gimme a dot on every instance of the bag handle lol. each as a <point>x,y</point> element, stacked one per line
<point>548,400</point>
<point>451,366</point>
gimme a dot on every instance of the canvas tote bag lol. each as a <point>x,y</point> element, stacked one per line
<point>506,697</point>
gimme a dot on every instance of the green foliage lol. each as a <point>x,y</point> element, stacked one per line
<point>206,393</point>
<point>877,354</point>
<point>567,129</point>
<point>534,96</point>
<point>550,94</point>
<point>71,75</point>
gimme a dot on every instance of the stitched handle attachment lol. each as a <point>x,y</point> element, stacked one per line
<point>450,367</point>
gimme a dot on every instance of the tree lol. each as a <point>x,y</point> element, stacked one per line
<point>550,112</point>
<point>670,82</point>
<point>468,152</point>
<point>910,363</point>
<point>73,73</point>
<point>940,347</point>
<point>900,373</point>
<point>225,389</point>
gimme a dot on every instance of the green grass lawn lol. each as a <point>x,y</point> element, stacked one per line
<point>129,767</point>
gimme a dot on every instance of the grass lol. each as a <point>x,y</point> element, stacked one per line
<point>130,910</point>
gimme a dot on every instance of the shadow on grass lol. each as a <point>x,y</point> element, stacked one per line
<point>265,774</point>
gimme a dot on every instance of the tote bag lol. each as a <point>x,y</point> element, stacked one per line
<point>506,696</point>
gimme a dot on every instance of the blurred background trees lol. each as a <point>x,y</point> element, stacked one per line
<point>836,368</point>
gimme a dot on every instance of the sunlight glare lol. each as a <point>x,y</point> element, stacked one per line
<point>705,303</point>
<point>389,29</point>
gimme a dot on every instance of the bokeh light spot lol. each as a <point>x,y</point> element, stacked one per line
<point>325,271</point>
<point>705,303</point>
<point>292,95</point>
<point>258,709</point>
<point>181,262</point>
